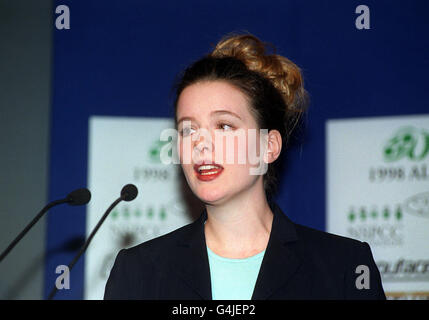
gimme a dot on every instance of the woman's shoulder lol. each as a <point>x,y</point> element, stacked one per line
<point>332,249</point>
<point>162,244</point>
<point>337,258</point>
<point>320,238</point>
<point>311,239</point>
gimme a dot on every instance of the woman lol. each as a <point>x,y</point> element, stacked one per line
<point>242,246</point>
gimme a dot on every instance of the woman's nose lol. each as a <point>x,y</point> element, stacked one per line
<point>204,141</point>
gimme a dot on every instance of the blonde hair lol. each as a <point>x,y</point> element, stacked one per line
<point>283,73</point>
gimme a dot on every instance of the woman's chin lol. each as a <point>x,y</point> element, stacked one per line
<point>211,195</point>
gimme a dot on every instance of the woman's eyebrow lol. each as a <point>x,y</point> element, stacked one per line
<point>221,112</point>
<point>185,118</point>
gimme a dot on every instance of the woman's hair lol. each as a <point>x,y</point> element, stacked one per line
<point>272,84</point>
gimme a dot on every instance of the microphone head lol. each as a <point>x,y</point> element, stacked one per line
<point>129,192</point>
<point>79,197</point>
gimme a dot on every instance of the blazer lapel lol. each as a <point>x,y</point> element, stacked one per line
<point>192,262</point>
<point>280,261</point>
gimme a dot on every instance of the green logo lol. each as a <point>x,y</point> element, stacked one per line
<point>149,213</point>
<point>363,214</point>
<point>408,142</point>
<point>155,150</point>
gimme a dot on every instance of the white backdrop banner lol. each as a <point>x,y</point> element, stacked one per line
<point>378,192</point>
<point>121,151</point>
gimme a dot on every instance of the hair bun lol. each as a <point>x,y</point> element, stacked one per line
<point>283,73</point>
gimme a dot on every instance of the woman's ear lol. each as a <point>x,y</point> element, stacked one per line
<point>274,146</point>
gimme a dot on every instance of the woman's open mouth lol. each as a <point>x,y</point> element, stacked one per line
<point>207,172</point>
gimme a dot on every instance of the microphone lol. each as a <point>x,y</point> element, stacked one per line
<point>75,198</point>
<point>128,193</point>
<point>79,197</point>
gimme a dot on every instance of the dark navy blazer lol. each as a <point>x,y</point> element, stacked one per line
<point>299,263</point>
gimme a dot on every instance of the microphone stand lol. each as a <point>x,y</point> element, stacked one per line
<point>30,225</point>
<point>86,244</point>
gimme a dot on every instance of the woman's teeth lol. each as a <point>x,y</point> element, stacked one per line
<point>207,167</point>
<point>208,173</point>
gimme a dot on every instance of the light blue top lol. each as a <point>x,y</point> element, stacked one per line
<point>233,279</point>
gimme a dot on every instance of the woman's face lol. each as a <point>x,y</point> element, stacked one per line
<point>209,114</point>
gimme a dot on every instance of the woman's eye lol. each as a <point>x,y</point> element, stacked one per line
<point>225,127</point>
<point>187,131</point>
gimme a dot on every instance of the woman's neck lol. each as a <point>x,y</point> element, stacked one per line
<point>240,227</point>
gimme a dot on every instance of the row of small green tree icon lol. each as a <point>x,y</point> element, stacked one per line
<point>364,214</point>
<point>149,212</point>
